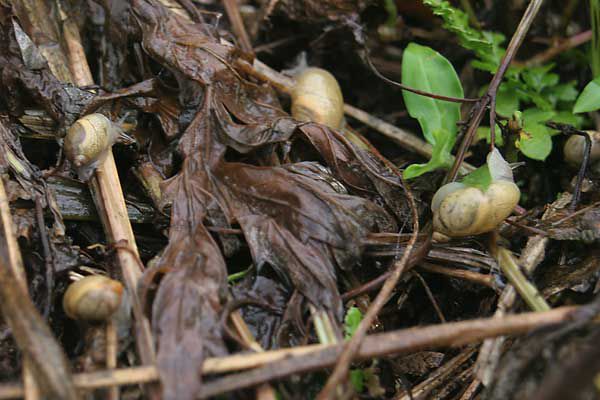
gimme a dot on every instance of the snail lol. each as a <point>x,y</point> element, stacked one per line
<point>317,97</point>
<point>88,142</point>
<point>463,210</point>
<point>93,298</point>
<point>575,147</point>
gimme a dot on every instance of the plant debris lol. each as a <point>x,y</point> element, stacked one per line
<point>252,246</point>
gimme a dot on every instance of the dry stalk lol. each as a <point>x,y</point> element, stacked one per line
<point>110,203</point>
<point>351,348</point>
<point>475,277</point>
<point>531,257</point>
<point>35,12</point>
<point>44,356</point>
<point>404,341</point>
<point>275,364</point>
<point>237,24</point>
<point>489,99</point>
<point>519,281</point>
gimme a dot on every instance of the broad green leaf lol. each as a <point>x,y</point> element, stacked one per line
<point>425,69</point>
<point>351,321</point>
<point>567,117</point>
<point>535,140</point>
<point>533,116</point>
<point>480,178</point>
<point>441,157</point>
<point>507,102</point>
<point>534,145</point>
<point>589,99</point>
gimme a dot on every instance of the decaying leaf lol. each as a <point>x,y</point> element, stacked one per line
<point>291,218</point>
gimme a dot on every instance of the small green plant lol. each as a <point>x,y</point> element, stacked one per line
<point>536,91</point>
<point>425,69</point>
<point>351,322</point>
<point>595,49</point>
<point>589,99</point>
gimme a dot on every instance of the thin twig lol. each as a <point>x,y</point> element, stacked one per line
<point>403,137</point>
<point>237,24</point>
<point>564,45</point>
<point>490,98</point>
<point>476,277</point>
<point>110,203</point>
<point>352,347</point>
<point>524,287</point>
<point>417,91</point>
<point>285,362</point>
<point>33,336</point>
<point>431,297</point>
<point>453,334</point>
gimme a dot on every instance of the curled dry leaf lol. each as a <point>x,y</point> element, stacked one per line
<point>294,217</point>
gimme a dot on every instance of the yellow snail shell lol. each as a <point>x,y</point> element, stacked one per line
<point>88,141</point>
<point>317,97</point>
<point>92,298</point>
<point>460,210</point>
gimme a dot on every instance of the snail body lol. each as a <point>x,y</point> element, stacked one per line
<point>317,97</point>
<point>88,141</point>
<point>462,210</point>
<point>93,298</point>
<point>575,147</point>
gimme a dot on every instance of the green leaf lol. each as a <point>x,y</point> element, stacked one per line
<point>480,178</point>
<point>351,321</point>
<point>441,157</point>
<point>563,92</point>
<point>534,145</point>
<point>589,99</point>
<point>483,132</point>
<point>535,140</point>
<point>425,69</point>
<point>537,78</point>
<point>457,22</point>
<point>507,102</point>
<point>357,378</point>
<point>567,117</point>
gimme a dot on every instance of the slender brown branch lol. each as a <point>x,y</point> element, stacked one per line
<point>453,334</point>
<point>417,91</point>
<point>352,347</point>
<point>237,24</point>
<point>110,203</point>
<point>43,353</point>
<point>476,277</point>
<point>490,98</point>
<point>275,364</point>
<point>564,45</point>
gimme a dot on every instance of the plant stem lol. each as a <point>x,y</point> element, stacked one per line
<point>268,365</point>
<point>526,289</point>
<point>490,98</point>
<point>595,50</point>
